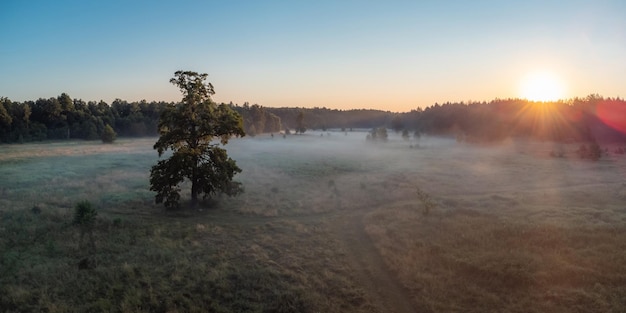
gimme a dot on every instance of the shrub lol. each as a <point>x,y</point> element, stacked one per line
<point>405,134</point>
<point>378,134</point>
<point>427,202</point>
<point>84,214</point>
<point>593,152</point>
<point>108,134</point>
<point>85,218</point>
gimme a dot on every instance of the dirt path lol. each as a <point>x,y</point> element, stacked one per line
<point>380,285</point>
<point>371,271</point>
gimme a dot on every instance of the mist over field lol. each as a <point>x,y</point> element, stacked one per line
<point>300,156</point>
<point>328,222</point>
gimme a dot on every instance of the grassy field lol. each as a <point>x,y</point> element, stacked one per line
<point>328,223</point>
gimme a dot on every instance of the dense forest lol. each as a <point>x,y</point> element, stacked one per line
<point>593,118</point>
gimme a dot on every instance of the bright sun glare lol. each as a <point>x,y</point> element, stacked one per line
<point>542,86</point>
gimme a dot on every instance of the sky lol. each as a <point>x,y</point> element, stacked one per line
<point>341,54</point>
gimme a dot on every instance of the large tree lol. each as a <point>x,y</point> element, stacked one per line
<point>188,129</point>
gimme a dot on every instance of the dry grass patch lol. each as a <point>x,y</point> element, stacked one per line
<point>464,261</point>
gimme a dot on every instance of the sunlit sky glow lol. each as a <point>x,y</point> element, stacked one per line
<point>389,55</point>
<point>542,86</point>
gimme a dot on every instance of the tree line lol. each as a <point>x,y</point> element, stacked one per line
<point>589,119</point>
<point>61,118</point>
<point>579,119</point>
<point>66,118</point>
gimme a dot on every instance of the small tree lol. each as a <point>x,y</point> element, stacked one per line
<point>405,134</point>
<point>108,134</point>
<point>85,219</point>
<point>188,129</point>
<point>593,152</point>
<point>300,123</point>
<point>378,134</point>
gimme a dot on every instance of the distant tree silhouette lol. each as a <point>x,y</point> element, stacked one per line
<point>377,134</point>
<point>396,123</point>
<point>5,118</point>
<point>592,152</point>
<point>300,123</point>
<point>575,120</point>
<point>405,134</point>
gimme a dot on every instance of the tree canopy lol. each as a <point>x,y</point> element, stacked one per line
<point>188,129</point>
<point>578,119</point>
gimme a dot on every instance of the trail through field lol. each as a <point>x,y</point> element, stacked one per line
<point>380,285</point>
<point>378,282</point>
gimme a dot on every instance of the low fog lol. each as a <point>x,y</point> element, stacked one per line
<point>517,176</point>
<point>328,221</point>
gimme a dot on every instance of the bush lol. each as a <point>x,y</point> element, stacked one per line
<point>108,134</point>
<point>84,214</point>
<point>36,210</point>
<point>405,134</point>
<point>427,203</point>
<point>85,218</point>
<point>593,152</point>
<point>378,134</point>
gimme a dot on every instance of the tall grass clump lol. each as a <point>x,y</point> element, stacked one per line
<point>85,219</point>
<point>427,203</point>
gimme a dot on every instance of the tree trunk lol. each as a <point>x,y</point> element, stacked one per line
<point>194,193</point>
<point>194,183</point>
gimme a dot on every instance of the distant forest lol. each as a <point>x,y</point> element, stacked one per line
<point>593,118</point>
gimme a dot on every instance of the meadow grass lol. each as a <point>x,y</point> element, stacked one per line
<point>165,265</point>
<point>467,261</point>
<point>149,260</point>
<point>507,229</point>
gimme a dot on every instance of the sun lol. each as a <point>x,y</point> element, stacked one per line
<point>542,86</point>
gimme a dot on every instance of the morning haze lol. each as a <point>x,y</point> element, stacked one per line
<point>340,157</point>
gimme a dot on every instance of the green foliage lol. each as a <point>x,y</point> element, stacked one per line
<point>378,134</point>
<point>257,119</point>
<point>5,118</point>
<point>84,215</point>
<point>188,129</point>
<point>85,219</point>
<point>152,266</point>
<point>108,134</point>
<point>63,118</point>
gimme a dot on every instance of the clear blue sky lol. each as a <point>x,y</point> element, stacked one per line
<point>390,55</point>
